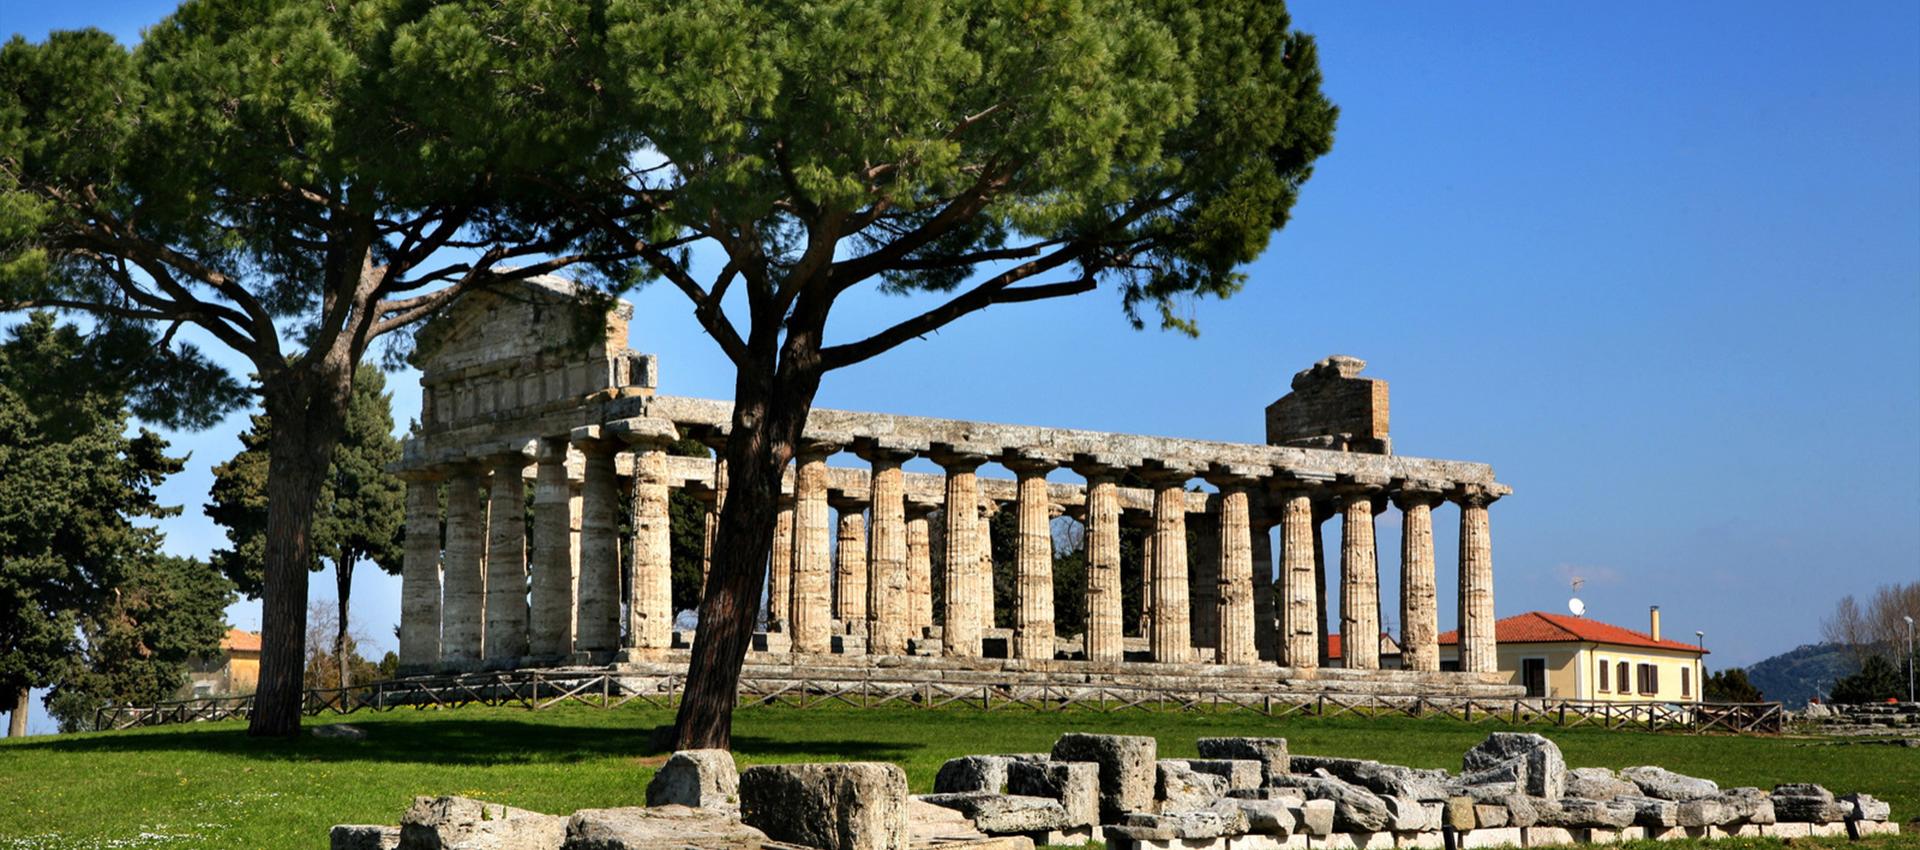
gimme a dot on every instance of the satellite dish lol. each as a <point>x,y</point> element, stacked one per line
<point>1578,608</point>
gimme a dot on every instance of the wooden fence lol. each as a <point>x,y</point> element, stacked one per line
<point>541,689</point>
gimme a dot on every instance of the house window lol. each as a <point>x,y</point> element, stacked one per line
<point>1620,678</point>
<point>1603,675</point>
<point>1533,674</point>
<point>1686,683</point>
<point>1649,679</point>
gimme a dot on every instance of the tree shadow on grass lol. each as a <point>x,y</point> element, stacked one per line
<point>454,741</point>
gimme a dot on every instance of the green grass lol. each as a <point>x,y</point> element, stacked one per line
<point>208,785</point>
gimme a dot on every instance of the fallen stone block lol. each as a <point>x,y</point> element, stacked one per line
<point>1355,808</point>
<point>1539,768</point>
<point>1271,753</point>
<point>1458,814</point>
<point>1650,812</point>
<point>1610,835</point>
<point>349,836</point>
<point>1785,829</point>
<point>1390,780</point>
<point>1661,783</point>
<point>1488,815</point>
<point>1872,827</point>
<point>1807,803</point>
<point>461,823</point>
<point>1127,769</point>
<point>1749,805</point>
<point>1864,807</point>
<point>1240,774</point>
<point>972,773</point>
<point>841,806</point>
<point>1420,840</point>
<point>1181,787</point>
<point>677,826</point>
<point>1294,796</point>
<point>1269,817</point>
<point>1547,836</point>
<point>697,778</point>
<point>1002,814</point>
<point>1487,792</point>
<point>1506,836</point>
<point>1075,784</point>
<point>1579,812</point>
<point>1522,810</point>
<point>1598,783</point>
<point>1223,819</point>
<point>1316,817</point>
<point>1802,789</point>
<point>1709,811</point>
<point>1405,814</point>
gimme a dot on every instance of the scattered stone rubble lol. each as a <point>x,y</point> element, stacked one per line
<point>1513,790</point>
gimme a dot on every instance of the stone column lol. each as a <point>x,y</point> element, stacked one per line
<point>506,634</point>
<point>960,615</point>
<point>1170,638</point>
<point>597,629</point>
<point>1322,511</point>
<point>1359,584</point>
<point>1203,584</point>
<point>650,609</point>
<point>780,570</point>
<point>919,570</point>
<point>812,561</point>
<point>888,548</point>
<point>850,565</point>
<point>983,550</point>
<point>1266,618</point>
<point>1419,627</point>
<point>1478,652</point>
<point>550,632</point>
<point>1299,621</point>
<point>1033,565</point>
<point>1104,637</point>
<point>1235,633</point>
<point>463,614</point>
<point>420,575</point>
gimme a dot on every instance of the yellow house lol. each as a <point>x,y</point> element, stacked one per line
<point>236,670</point>
<point>1564,657</point>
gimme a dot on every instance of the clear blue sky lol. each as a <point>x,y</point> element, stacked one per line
<point>1658,263</point>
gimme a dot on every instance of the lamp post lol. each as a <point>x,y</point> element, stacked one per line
<point>1909,657</point>
<point>1700,662</point>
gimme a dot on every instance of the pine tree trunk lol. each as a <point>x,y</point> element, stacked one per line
<point>770,410</point>
<point>307,404</point>
<point>17,720</point>
<point>343,583</point>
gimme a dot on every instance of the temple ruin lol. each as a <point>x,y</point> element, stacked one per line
<point>530,387</point>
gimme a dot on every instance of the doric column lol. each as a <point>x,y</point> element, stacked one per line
<point>550,632</point>
<point>1104,637</point>
<point>463,613</point>
<point>1170,634</point>
<point>888,594</point>
<point>812,561</point>
<point>712,519</point>
<point>1478,652</point>
<point>780,569</point>
<point>506,635</point>
<point>650,608</point>
<point>919,569</point>
<point>1203,584</point>
<point>1359,583</point>
<point>1300,630</point>
<point>597,626</point>
<point>420,574</point>
<point>1235,633</point>
<point>1033,561</point>
<point>960,614</point>
<point>850,564</point>
<point>1266,617</point>
<point>1419,626</point>
<point>983,551</point>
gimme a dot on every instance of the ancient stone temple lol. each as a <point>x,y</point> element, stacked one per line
<point>529,391</point>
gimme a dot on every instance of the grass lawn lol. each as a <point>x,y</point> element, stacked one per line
<point>209,786</point>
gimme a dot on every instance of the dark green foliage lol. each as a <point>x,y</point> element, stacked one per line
<point>137,645</point>
<point>361,512</point>
<point>87,603</point>
<point>1878,680</point>
<point>687,517</point>
<point>1730,685</point>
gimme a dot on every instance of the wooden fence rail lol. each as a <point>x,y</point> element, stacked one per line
<point>541,689</point>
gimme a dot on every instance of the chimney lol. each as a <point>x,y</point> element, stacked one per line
<point>1654,614</point>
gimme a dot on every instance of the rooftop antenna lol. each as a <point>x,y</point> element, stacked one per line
<point>1578,608</point>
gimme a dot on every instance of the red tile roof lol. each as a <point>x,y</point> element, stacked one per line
<point>1542,627</point>
<point>239,641</point>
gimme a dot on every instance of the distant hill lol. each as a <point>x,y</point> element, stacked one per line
<point>1800,674</point>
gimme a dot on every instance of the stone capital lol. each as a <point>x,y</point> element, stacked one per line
<point>1166,473</point>
<point>1226,475</point>
<point>1095,466</point>
<point>1413,492</point>
<point>959,457</point>
<point>551,449</point>
<point>886,450</point>
<point>1029,460</point>
<point>818,446</point>
<point>643,432</point>
<point>1478,495</point>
